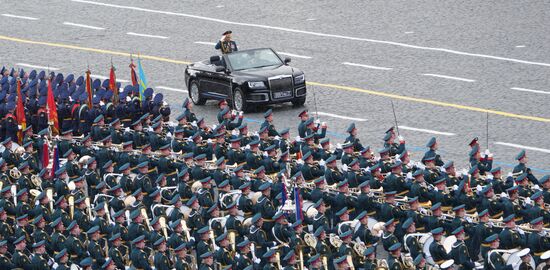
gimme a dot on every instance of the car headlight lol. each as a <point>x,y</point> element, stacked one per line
<point>256,85</point>
<point>300,79</point>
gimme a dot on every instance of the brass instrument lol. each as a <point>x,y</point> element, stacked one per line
<point>382,264</point>
<point>14,192</point>
<point>350,262</point>
<point>213,239</point>
<point>162,222</point>
<point>36,180</point>
<point>278,256</point>
<point>335,240</point>
<point>107,213</point>
<point>49,194</point>
<point>88,207</point>
<point>232,240</point>
<point>186,230</point>
<point>15,173</point>
<point>301,254</point>
<point>325,262</point>
<point>144,214</point>
<point>408,263</point>
<point>71,206</point>
<point>310,240</point>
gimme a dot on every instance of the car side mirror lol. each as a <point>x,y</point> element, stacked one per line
<point>220,68</point>
<point>287,60</point>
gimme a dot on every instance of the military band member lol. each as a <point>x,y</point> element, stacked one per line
<point>139,257</point>
<point>388,236</point>
<point>495,260</point>
<point>459,250</point>
<point>411,243</point>
<point>20,258</point>
<point>522,167</point>
<point>538,241</point>
<point>437,251</point>
<point>395,262</point>
<point>389,142</point>
<point>433,146</point>
<point>352,138</point>
<point>511,236</point>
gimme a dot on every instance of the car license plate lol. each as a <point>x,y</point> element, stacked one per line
<point>282,94</point>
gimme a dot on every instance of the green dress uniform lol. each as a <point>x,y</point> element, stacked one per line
<point>538,245</point>
<point>395,263</point>
<point>117,256</point>
<point>139,259</point>
<point>459,253</point>
<point>414,246</point>
<point>21,260</point>
<point>496,262</point>
<point>438,253</point>
<point>388,240</point>
<point>96,253</point>
<point>161,261</point>
<point>39,262</point>
<point>5,263</point>
<point>511,239</point>
<point>75,248</point>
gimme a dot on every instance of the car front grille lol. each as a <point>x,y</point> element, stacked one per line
<point>280,83</point>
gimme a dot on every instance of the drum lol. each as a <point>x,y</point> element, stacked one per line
<point>448,243</point>
<point>371,223</point>
<point>425,241</point>
<point>515,259</point>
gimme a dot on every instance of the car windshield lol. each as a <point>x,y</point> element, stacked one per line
<point>253,59</point>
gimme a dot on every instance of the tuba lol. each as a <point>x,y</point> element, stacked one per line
<point>408,263</point>
<point>49,194</point>
<point>335,240</point>
<point>382,264</point>
<point>15,174</point>
<point>146,218</point>
<point>37,181</point>
<point>310,240</point>
<point>162,222</point>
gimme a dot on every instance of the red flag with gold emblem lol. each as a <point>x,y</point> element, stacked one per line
<point>20,113</point>
<point>52,110</point>
<point>112,84</point>
<point>89,87</point>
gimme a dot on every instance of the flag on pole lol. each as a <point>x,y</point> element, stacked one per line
<point>142,81</point>
<point>45,158</point>
<point>112,84</point>
<point>133,74</point>
<point>52,110</point>
<point>298,202</point>
<point>55,165</point>
<point>89,87</point>
<point>20,113</point>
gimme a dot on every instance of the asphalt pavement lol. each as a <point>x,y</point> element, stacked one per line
<point>446,65</point>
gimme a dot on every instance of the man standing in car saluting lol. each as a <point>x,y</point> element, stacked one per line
<point>226,45</point>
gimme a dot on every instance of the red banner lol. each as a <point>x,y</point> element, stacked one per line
<point>89,87</point>
<point>20,113</point>
<point>52,111</point>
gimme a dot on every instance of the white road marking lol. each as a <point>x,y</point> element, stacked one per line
<point>204,43</point>
<point>448,77</point>
<point>83,26</point>
<point>106,77</point>
<point>145,35</point>
<point>530,90</point>
<point>365,66</point>
<point>513,60</point>
<point>523,147</point>
<point>19,17</point>
<point>342,116</point>
<point>220,6</point>
<point>171,89</point>
<point>427,131</point>
<point>520,46</point>
<point>311,19</point>
<point>36,66</point>
<point>295,55</point>
<point>409,32</point>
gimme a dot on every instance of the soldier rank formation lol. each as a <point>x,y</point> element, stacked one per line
<point>123,187</point>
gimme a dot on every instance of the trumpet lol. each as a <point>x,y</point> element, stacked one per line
<point>162,222</point>
<point>71,206</point>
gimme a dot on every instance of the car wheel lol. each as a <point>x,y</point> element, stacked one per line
<point>195,94</point>
<point>299,101</point>
<point>239,101</point>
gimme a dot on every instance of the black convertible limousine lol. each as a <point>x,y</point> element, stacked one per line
<point>246,79</point>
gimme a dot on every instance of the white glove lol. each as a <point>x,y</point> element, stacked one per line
<point>455,187</point>
<point>237,255</point>
<point>367,170</point>
<point>234,112</point>
<point>409,175</point>
<point>189,139</point>
<point>235,132</point>
<point>490,155</point>
<point>247,178</point>
<point>194,123</point>
<point>277,138</point>
<point>257,261</point>
<point>464,172</point>
<point>264,153</point>
<point>420,165</point>
<point>299,161</point>
<point>217,248</point>
<point>422,211</point>
<point>169,134</point>
<point>344,167</point>
<point>298,139</point>
<point>256,134</point>
<point>536,187</point>
<point>36,202</point>
<point>318,122</point>
<point>322,163</point>
<point>441,169</point>
<point>338,146</point>
<point>70,99</point>
<point>192,239</point>
<point>19,127</point>
<point>503,195</point>
<point>528,201</point>
<point>150,129</point>
<point>401,139</point>
<point>101,103</point>
<point>55,265</point>
<point>469,219</point>
<point>214,127</point>
<point>241,113</point>
<point>209,141</point>
<point>487,152</point>
<point>490,224</point>
<point>247,147</point>
<point>128,99</point>
<point>520,231</point>
<point>479,188</point>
